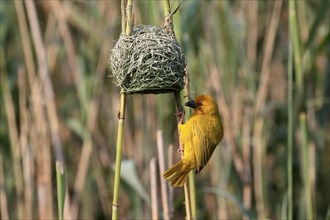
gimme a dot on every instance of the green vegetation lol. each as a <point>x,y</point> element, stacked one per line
<point>61,188</point>
<point>266,63</point>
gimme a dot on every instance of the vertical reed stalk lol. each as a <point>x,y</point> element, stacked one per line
<point>63,28</point>
<point>87,147</point>
<point>179,108</point>
<point>120,137</point>
<point>47,87</point>
<point>258,167</point>
<point>13,138</point>
<point>121,116</point>
<point>129,17</point>
<point>3,197</point>
<point>38,136</point>
<point>187,201</point>
<point>161,160</point>
<point>192,187</point>
<point>295,39</point>
<point>170,163</point>
<point>24,143</point>
<point>246,161</point>
<point>166,8</point>
<point>84,159</point>
<point>61,188</point>
<point>123,15</point>
<point>268,52</point>
<point>153,187</point>
<point>290,130</point>
<point>45,189</point>
<point>192,194</point>
<point>101,184</point>
<point>168,20</point>
<point>312,174</point>
<point>306,166</point>
<point>30,70</point>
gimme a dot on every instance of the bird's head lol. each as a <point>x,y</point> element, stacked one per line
<point>203,104</point>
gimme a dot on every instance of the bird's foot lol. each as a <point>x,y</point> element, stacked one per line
<point>180,151</point>
<point>181,115</point>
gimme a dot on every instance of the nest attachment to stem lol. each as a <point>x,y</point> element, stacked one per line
<point>150,60</point>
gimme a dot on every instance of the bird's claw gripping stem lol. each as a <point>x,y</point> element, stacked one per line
<point>181,115</point>
<point>180,151</point>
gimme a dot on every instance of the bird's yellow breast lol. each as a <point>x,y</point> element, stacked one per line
<point>208,135</point>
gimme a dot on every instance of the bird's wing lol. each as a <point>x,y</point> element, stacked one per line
<point>202,145</point>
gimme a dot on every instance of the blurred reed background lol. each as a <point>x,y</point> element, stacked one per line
<point>58,103</point>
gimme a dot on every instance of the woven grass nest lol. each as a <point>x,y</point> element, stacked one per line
<point>150,60</point>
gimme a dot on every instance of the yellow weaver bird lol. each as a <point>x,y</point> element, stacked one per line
<point>199,138</point>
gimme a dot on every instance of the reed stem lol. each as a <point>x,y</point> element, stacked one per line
<point>153,187</point>
<point>192,187</point>
<point>161,160</point>
<point>120,137</point>
<point>166,9</point>
<point>290,131</point>
<point>192,194</point>
<point>179,108</point>
<point>187,201</point>
<point>121,116</point>
<point>61,188</point>
<point>306,165</point>
<point>16,154</point>
<point>129,17</point>
<point>3,197</point>
<point>295,39</point>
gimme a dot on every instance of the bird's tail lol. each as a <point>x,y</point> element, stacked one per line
<point>177,174</point>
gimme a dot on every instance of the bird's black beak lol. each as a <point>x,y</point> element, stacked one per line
<point>191,104</point>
